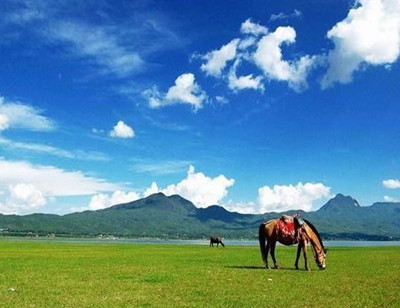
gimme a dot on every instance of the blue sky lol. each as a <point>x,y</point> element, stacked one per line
<point>256,106</point>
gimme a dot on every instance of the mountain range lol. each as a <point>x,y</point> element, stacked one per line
<point>175,217</point>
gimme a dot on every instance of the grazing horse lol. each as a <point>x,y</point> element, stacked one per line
<point>288,231</point>
<point>216,240</point>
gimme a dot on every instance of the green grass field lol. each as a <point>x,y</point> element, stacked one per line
<point>55,274</point>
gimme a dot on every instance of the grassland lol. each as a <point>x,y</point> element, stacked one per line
<point>53,274</point>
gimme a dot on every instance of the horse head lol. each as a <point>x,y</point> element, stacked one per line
<point>320,259</point>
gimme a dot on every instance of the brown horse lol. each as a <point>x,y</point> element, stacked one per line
<point>271,232</point>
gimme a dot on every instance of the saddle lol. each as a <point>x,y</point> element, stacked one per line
<point>288,228</point>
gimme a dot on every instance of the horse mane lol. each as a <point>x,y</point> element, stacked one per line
<point>315,231</point>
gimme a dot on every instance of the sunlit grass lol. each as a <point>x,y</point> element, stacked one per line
<point>41,274</point>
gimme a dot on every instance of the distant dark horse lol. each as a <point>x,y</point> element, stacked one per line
<point>216,240</point>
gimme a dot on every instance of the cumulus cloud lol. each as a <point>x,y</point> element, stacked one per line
<point>101,201</point>
<point>153,189</point>
<point>290,197</point>
<point>249,27</point>
<point>199,188</point>
<point>243,82</point>
<point>202,190</point>
<point>121,130</point>
<point>216,60</point>
<point>50,180</point>
<point>268,57</point>
<point>241,207</point>
<point>391,183</point>
<point>22,197</point>
<point>185,91</point>
<point>247,42</point>
<point>370,34</point>
<point>260,50</point>
<point>15,114</point>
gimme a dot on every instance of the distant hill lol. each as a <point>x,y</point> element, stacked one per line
<point>175,217</point>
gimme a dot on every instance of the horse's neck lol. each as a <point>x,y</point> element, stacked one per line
<point>315,243</point>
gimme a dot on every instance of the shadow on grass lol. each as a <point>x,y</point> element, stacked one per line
<point>249,267</point>
<point>246,267</point>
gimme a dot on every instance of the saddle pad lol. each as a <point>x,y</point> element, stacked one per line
<point>286,232</point>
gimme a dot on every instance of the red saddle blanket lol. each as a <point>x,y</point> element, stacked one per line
<point>286,233</point>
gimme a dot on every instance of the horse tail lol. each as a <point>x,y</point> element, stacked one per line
<point>261,238</point>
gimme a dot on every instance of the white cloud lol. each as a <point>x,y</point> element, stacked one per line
<point>185,91</point>
<point>369,34</point>
<point>243,82</point>
<point>153,189</point>
<point>221,99</point>
<point>281,15</point>
<point>50,150</point>
<point>22,197</point>
<point>14,114</point>
<point>3,122</point>
<point>391,183</point>
<point>290,197</point>
<point>154,96</point>
<point>101,201</point>
<point>100,44</point>
<point>268,57</point>
<point>240,207</point>
<point>200,189</point>
<point>160,167</point>
<point>390,199</point>
<point>51,180</point>
<point>121,130</point>
<point>97,131</point>
<point>217,59</point>
<point>247,42</point>
<point>266,54</point>
<point>249,27</point>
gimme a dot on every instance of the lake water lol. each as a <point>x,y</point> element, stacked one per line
<point>197,242</point>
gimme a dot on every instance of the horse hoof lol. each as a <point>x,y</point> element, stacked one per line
<point>296,268</point>
<point>276,266</point>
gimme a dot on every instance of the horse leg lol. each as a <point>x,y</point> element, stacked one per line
<point>305,255</point>
<point>273,245</point>
<point>266,255</point>
<point>296,264</point>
